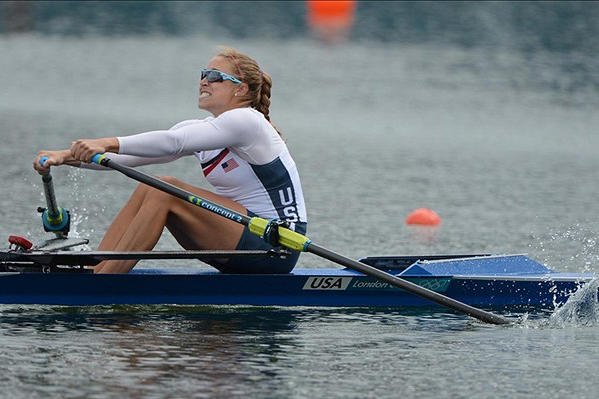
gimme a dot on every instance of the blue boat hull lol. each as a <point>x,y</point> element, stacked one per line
<point>487,282</point>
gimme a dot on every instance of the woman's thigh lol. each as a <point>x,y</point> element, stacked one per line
<point>197,228</point>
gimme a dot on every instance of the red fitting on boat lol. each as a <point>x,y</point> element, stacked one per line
<point>20,242</point>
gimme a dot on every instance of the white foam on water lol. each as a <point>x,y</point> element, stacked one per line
<point>580,310</point>
<point>574,247</point>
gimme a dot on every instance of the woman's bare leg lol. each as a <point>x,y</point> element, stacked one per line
<point>192,227</point>
<point>123,219</point>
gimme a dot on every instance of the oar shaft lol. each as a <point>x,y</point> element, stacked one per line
<point>54,218</point>
<point>50,195</point>
<point>406,285</point>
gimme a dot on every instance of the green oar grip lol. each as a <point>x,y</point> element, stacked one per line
<point>287,238</point>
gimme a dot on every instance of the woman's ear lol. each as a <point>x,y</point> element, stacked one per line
<point>242,90</point>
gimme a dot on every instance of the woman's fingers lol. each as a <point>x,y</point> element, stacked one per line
<point>84,149</point>
<point>45,159</point>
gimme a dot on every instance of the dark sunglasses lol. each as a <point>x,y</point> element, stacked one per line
<point>213,75</point>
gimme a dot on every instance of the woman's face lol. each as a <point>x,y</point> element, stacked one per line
<point>218,97</point>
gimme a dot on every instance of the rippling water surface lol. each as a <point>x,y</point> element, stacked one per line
<point>502,144</point>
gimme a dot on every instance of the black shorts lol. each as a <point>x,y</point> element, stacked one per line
<point>259,264</point>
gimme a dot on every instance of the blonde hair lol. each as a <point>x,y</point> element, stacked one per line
<point>249,72</point>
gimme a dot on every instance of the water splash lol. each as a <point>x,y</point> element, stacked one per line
<point>80,195</point>
<point>76,221</point>
<point>576,248</point>
<point>581,309</point>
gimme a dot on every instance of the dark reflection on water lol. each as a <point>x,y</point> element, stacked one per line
<point>192,351</point>
<point>205,350</point>
<point>207,320</point>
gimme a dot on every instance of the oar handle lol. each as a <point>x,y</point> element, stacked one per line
<point>98,158</point>
<point>43,160</point>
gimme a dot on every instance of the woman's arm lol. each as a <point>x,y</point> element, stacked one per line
<point>235,128</point>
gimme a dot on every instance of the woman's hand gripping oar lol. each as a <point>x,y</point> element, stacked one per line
<point>298,242</point>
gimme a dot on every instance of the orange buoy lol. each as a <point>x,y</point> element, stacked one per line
<point>331,20</point>
<point>423,216</point>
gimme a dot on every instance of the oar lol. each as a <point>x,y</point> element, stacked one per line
<point>298,242</point>
<point>54,218</point>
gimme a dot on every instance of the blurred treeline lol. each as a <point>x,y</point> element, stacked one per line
<point>555,26</point>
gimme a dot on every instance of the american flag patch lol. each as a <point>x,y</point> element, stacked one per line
<point>229,165</point>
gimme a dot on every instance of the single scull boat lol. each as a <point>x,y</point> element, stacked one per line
<point>59,277</point>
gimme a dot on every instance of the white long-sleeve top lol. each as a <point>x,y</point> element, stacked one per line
<point>241,155</point>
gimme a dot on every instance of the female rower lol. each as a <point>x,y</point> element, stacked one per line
<point>241,154</point>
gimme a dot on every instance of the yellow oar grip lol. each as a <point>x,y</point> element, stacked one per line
<point>258,226</point>
<point>292,240</point>
<point>287,238</point>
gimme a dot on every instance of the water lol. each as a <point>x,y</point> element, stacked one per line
<point>501,143</point>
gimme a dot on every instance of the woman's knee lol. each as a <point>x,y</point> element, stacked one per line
<point>155,195</point>
<point>186,186</point>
